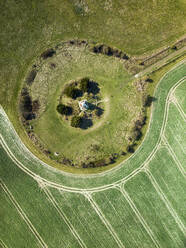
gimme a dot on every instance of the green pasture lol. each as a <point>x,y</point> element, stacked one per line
<point>175,134</point>
<point>11,224</point>
<point>84,219</point>
<point>118,212</point>
<point>154,212</point>
<point>180,96</point>
<point>163,167</point>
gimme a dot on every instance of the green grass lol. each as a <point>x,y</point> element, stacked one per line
<point>14,231</point>
<point>180,96</point>
<point>29,196</point>
<point>118,212</point>
<point>175,134</point>
<point>141,154</point>
<point>171,181</point>
<point>154,211</point>
<point>83,217</point>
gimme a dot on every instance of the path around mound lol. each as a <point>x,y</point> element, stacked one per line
<point>49,176</point>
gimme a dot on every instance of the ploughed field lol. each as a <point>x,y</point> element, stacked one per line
<point>140,203</point>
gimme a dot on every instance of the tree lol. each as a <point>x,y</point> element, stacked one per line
<point>64,110</point>
<point>76,121</point>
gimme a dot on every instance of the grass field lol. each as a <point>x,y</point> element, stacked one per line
<point>137,204</point>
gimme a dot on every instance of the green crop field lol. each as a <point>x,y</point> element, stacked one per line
<point>140,203</point>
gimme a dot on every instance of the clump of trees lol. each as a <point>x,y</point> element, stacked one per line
<point>64,109</point>
<point>99,163</point>
<point>26,105</point>
<point>136,133</point>
<point>109,51</point>
<point>76,121</point>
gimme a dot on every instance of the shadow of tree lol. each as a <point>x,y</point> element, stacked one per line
<point>149,100</point>
<point>93,87</point>
<point>86,123</point>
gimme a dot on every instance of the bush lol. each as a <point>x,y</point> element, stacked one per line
<point>76,121</point>
<point>48,53</point>
<point>148,101</point>
<point>64,110</point>
<point>84,84</point>
<point>130,148</point>
<point>136,134</point>
<point>31,76</point>
<point>72,92</point>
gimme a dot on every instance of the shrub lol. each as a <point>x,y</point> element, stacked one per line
<point>136,134</point>
<point>48,53</point>
<point>149,80</point>
<point>148,101</point>
<point>31,76</point>
<point>130,149</point>
<point>76,121</point>
<point>64,110</point>
<point>174,47</point>
<point>26,104</point>
<point>72,92</point>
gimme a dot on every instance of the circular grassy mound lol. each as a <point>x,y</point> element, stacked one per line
<point>115,105</point>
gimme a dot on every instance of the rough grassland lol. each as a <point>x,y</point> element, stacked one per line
<point>144,209</point>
